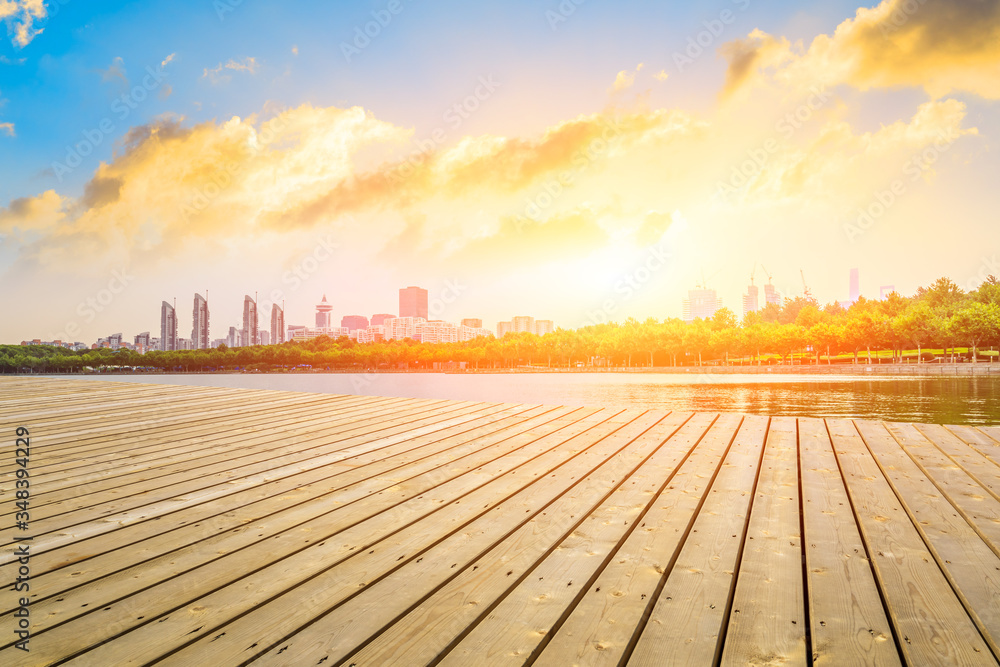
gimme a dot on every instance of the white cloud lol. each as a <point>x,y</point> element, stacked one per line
<point>21,17</point>
<point>218,73</point>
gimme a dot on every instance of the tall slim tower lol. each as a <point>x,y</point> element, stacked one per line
<point>199,327</point>
<point>751,300</point>
<point>277,325</point>
<point>855,285</point>
<point>324,319</point>
<point>413,302</point>
<point>251,333</point>
<point>168,327</point>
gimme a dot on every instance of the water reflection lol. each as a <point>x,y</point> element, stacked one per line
<point>947,400</point>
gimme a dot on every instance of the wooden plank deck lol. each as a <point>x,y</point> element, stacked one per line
<point>203,526</point>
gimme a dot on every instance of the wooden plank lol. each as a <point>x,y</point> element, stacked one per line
<point>980,468</point>
<point>767,625</point>
<point>315,502</point>
<point>846,617</point>
<point>969,564</point>
<point>689,614</point>
<point>978,441</point>
<point>344,626</point>
<point>182,605</point>
<point>430,626</point>
<point>930,622</point>
<point>519,626</point>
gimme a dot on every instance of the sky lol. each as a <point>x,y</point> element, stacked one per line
<point>580,161</point>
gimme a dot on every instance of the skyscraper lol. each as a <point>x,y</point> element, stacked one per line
<point>277,325</point>
<point>323,317</point>
<point>413,302</point>
<point>772,295</point>
<point>199,328</point>
<point>354,322</point>
<point>855,291</point>
<point>751,304</point>
<point>380,318</point>
<point>251,333</point>
<point>701,303</point>
<point>168,328</point>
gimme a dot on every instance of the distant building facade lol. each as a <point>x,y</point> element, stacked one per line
<point>199,328</point>
<point>324,317</point>
<point>277,325</point>
<point>751,303</point>
<point>251,324</point>
<point>701,303</point>
<point>475,323</point>
<point>413,302</point>
<point>168,327</point>
<point>354,322</point>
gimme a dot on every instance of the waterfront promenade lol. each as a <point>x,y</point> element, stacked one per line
<point>206,526</point>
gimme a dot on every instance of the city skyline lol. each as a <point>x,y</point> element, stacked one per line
<point>514,169</point>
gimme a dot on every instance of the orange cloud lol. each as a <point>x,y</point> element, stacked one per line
<point>943,46</point>
<point>21,17</point>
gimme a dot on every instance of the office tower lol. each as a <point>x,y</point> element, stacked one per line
<point>855,286</point>
<point>265,337</point>
<point>750,300</point>
<point>354,322</point>
<point>251,333</point>
<point>885,290</point>
<point>380,318</point>
<point>233,340</point>
<point>413,302</point>
<point>523,323</point>
<point>143,340</point>
<point>473,322</point>
<point>277,325</point>
<point>199,328</point>
<point>324,319</point>
<point>701,303</point>
<point>543,327</point>
<point>168,328</point>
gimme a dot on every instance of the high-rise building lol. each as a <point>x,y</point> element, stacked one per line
<point>771,295</point>
<point>413,302</point>
<point>855,287</point>
<point>750,300</point>
<point>503,328</point>
<point>251,332</point>
<point>543,327</point>
<point>233,340</point>
<point>380,318</point>
<point>265,337</point>
<point>701,303</point>
<point>475,323</point>
<point>523,324</point>
<point>354,322</point>
<point>143,340</point>
<point>437,331</point>
<point>199,328</point>
<point>115,341</point>
<point>402,327</point>
<point>277,325</point>
<point>885,290</point>
<point>324,319</point>
<point>168,327</point>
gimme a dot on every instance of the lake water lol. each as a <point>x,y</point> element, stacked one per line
<point>947,400</point>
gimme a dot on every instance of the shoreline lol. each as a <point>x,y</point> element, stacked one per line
<point>982,369</point>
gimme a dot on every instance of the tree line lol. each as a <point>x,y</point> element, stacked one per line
<point>939,321</point>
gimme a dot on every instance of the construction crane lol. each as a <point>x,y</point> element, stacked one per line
<point>764,269</point>
<point>753,272</point>
<point>805,287</point>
